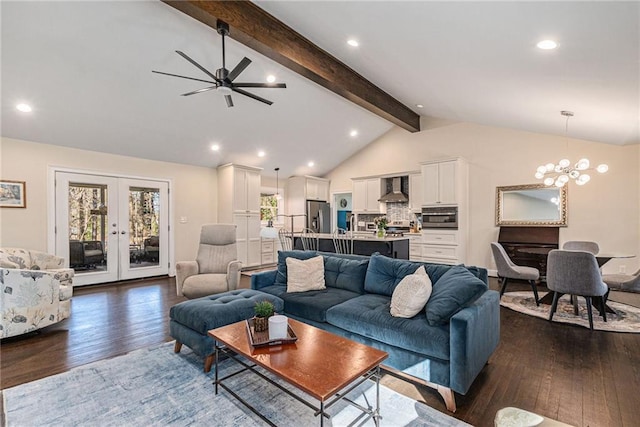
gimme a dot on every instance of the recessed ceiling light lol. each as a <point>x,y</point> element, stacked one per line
<point>261,154</point>
<point>419,105</point>
<point>311,164</point>
<point>271,78</point>
<point>547,44</point>
<point>215,147</point>
<point>353,133</point>
<point>353,42</point>
<point>24,108</point>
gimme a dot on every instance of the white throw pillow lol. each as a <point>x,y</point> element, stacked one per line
<point>411,294</point>
<point>305,275</point>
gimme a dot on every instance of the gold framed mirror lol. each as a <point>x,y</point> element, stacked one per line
<point>532,204</point>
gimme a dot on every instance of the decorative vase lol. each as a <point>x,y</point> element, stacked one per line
<point>381,233</point>
<point>260,324</point>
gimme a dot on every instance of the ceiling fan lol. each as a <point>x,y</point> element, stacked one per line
<point>223,79</point>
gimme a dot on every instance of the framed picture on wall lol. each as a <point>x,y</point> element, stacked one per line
<point>13,194</point>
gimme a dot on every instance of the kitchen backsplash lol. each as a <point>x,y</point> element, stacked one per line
<point>395,211</point>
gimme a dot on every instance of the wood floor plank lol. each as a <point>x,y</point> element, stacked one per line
<point>561,371</point>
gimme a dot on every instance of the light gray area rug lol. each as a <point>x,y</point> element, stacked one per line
<point>156,387</point>
<point>626,319</point>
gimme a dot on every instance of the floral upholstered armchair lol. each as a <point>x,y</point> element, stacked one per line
<point>35,291</point>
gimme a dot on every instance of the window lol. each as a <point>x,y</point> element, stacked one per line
<point>268,207</point>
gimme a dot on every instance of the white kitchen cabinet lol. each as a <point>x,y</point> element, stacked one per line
<point>415,192</point>
<point>269,251</point>
<point>317,189</point>
<point>299,190</point>
<point>239,203</point>
<point>443,247</point>
<point>248,239</point>
<point>246,190</point>
<point>366,193</point>
<point>415,247</point>
<point>443,182</point>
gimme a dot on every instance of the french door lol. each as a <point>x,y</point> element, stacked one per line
<point>111,228</point>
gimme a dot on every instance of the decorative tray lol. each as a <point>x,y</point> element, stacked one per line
<point>260,339</point>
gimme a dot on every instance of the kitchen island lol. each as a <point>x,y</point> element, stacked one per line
<point>365,244</point>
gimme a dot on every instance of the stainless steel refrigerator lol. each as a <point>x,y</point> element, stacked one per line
<point>318,216</point>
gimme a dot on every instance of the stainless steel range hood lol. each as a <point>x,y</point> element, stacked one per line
<point>396,194</point>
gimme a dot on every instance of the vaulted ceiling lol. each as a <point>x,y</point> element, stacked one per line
<point>85,67</point>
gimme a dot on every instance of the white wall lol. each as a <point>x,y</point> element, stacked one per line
<point>193,191</point>
<point>606,210</point>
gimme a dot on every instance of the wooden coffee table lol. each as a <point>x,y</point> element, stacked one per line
<point>323,365</point>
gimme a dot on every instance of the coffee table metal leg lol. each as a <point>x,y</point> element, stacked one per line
<point>376,415</point>
<point>321,414</point>
<point>216,362</point>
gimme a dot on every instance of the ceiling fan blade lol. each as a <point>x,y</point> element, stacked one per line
<point>250,95</point>
<point>239,68</point>
<point>183,77</point>
<point>265,85</point>
<point>229,100</point>
<point>200,90</point>
<point>200,67</point>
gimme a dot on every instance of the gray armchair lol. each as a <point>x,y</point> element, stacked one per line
<point>508,270</point>
<point>576,273</point>
<point>216,268</point>
<point>581,245</point>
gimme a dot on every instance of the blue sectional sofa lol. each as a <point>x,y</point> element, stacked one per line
<point>445,346</point>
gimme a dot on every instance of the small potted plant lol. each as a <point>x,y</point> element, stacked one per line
<point>263,310</point>
<point>381,223</point>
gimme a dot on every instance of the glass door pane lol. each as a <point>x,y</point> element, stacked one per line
<point>86,226</point>
<point>144,226</point>
<point>143,248</point>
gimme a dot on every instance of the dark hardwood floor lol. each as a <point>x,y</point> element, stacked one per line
<point>560,371</point>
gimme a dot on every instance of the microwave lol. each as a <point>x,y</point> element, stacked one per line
<point>440,217</point>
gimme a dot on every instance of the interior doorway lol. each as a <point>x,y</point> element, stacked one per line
<point>111,228</point>
<point>343,217</point>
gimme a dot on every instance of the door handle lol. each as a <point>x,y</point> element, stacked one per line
<point>114,232</point>
<point>123,232</point>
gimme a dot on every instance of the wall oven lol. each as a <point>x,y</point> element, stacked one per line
<point>440,217</point>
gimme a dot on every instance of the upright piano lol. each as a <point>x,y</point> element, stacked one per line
<point>518,238</point>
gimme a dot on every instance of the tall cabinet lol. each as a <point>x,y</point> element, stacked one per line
<point>445,183</point>
<point>239,203</point>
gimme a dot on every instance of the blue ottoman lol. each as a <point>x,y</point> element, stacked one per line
<point>191,320</point>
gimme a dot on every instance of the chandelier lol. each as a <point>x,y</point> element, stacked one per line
<point>562,172</point>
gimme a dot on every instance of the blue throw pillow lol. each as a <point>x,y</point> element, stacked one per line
<point>345,273</point>
<point>456,289</point>
<point>281,275</point>
<point>384,273</point>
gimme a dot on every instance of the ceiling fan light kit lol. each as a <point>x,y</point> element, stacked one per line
<point>223,79</point>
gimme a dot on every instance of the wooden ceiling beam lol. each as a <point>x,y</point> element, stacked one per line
<point>255,28</point>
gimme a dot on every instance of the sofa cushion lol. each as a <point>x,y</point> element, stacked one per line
<point>456,289</point>
<point>384,273</point>
<point>281,276</point>
<point>368,315</point>
<point>305,275</point>
<point>345,273</point>
<point>313,305</point>
<point>411,294</point>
